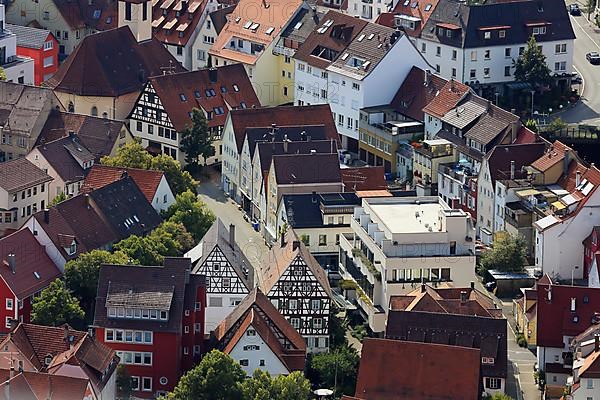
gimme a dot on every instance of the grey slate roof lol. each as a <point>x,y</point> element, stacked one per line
<point>219,17</point>
<point>514,14</point>
<point>465,113</point>
<point>266,150</point>
<point>153,295</point>
<point>491,125</point>
<point>307,168</point>
<point>302,25</point>
<point>60,155</point>
<point>304,210</point>
<point>293,133</point>
<point>22,106</point>
<point>33,38</point>
<point>19,174</point>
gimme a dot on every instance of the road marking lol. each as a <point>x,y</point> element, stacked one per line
<point>586,34</point>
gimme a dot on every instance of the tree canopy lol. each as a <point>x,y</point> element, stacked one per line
<point>192,213</point>
<point>196,139</point>
<point>337,369</point>
<point>531,66</point>
<point>56,306</point>
<point>507,255</point>
<point>261,386</point>
<point>133,155</point>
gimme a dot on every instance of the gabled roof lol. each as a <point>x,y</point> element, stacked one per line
<point>180,17</point>
<point>29,37</point>
<point>98,135</point>
<point>591,366</point>
<point>219,17</point>
<point>552,156</point>
<point>165,284</point>
<point>304,210</point>
<point>491,125</point>
<point>280,258</point>
<point>112,63</point>
<point>33,269</point>
<point>297,169</point>
<point>256,311</point>
<point>30,385</point>
<point>418,89</point>
<point>19,174</point>
<point>281,116</point>
<point>422,11</point>
<point>381,377</point>
<point>22,106</point>
<point>60,156</point>
<point>255,135</point>
<point>331,40</point>
<point>219,235</point>
<point>98,15</point>
<point>102,175</point>
<point>266,150</point>
<point>65,346</point>
<point>301,26</point>
<point>359,179</point>
<point>500,158</point>
<point>447,98</point>
<point>261,27</point>
<point>227,87</point>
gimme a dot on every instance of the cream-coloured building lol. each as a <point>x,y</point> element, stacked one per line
<point>399,243</point>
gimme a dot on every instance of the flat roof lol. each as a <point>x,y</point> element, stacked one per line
<point>408,218</point>
<point>433,142</point>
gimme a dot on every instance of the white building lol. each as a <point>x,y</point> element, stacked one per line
<point>17,69</point>
<point>399,243</point>
<point>210,27</point>
<point>352,64</point>
<point>478,44</point>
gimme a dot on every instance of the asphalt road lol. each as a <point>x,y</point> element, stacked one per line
<point>588,39</point>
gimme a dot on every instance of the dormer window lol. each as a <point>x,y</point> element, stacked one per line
<point>487,35</point>
<point>72,249</point>
<point>539,30</point>
<point>48,359</point>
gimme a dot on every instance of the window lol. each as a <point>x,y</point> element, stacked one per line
<point>262,363</point>
<point>48,61</point>
<point>146,381</point>
<point>454,54</point>
<point>139,126</point>
<point>541,30</point>
<point>487,35</point>
<point>472,74</point>
<point>163,379</point>
<point>317,323</point>
<point>179,48</point>
<point>454,72</point>
<point>502,34</point>
<point>507,70</point>
<point>9,304</point>
<point>487,360</point>
<point>244,363</point>
<point>486,72</point>
<point>293,304</point>
<point>127,11</point>
<point>109,335</point>
<point>135,383</point>
<point>295,323</point>
<point>355,86</point>
<point>486,55</point>
<point>7,322</point>
<point>423,47</point>
<point>315,304</point>
<point>473,55</point>
<point>492,383</point>
<point>438,51</point>
<point>322,240</point>
<point>560,48</point>
<point>590,384</point>
<point>507,52</point>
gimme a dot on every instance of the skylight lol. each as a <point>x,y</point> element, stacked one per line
<point>197,94</point>
<point>298,25</point>
<point>406,2</point>
<point>361,37</point>
<point>345,56</point>
<point>415,4</point>
<point>247,24</point>
<point>97,14</point>
<point>182,97</point>
<point>243,105</point>
<point>236,88</point>
<point>428,7</point>
<point>237,20</point>
<point>37,275</point>
<point>254,27</point>
<point>269,30</point>
<point>371,36</point>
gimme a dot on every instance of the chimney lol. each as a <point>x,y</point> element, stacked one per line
<point>12,262</point>
<point>512,169</point>
<point>596,342</point>
<point>566,161</point>
<point>46,216</point>
<point>295,245</point>
<point>285,143</point>
<point>422,288</point>
<point>515,125</point>
<point>231,235</point>
<point>86,198</point>
<point>314,197</point>
<point>282,243</point>
<point>463,296</point>
<point>472,285</point>
<point>212,75</point>
<point>577,178</point>
<point>124,174</point>
<point>426,77</point>
<point>72,134</point>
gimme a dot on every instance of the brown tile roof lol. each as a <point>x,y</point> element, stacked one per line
<point>138,295</point>
<point>281,257</point>
<point>98,135</point>
<point>34,270</point>
<point>311,168</point>
<point>61,156</point>
<point>16,388</point>
<point>98,15</point>
<point>229,85</point>
<point>500,158</point>
<point>414,95</point>
<point>257,311</point>
<point>182,18</point>
<point>167,281</point>
<point>271,17</point>
<point>341,31</point>
<point>491,125</point>
<point>358,179</point>
<point>19,174</point>
<point>266,150</point>
<point>381,377</point>
<point>43,386</point>
<point>281,116</point>
<point>112,63</point>
<point>102,175</point>
<point>553,155</point>
<point>447,98</point>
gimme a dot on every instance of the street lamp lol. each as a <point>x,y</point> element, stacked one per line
<point>532,93</point>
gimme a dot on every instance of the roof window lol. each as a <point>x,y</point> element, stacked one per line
<point>182,97</point>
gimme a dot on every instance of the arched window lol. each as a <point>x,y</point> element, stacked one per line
<point>71,107</point>
<point>94,111</point>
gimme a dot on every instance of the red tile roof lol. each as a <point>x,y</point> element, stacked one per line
<point>45,386</point>
<point>447,98</point>
<point>363,178</point>
<point>526,135</point>
<point>186,14</point>
<point>81,14</point>
<point>102,175</point>
<point>591,366</point>
<point>414,95</point>
<point>256,311</point>
<point>552,156</point>
<point>298,169</point>
<point>229,84</point>
<point>34,270</point>
<point>382,377</point>
<point>283,116</point>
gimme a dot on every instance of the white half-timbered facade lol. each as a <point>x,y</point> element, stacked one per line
<point>228,272</point>
<point>298,287</point>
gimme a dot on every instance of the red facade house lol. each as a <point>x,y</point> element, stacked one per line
<point>39,44</point>
<point>25,270</point>
<point>153,317</point>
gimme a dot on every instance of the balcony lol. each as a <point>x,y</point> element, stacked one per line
<point>280,50</point>
<point>460,172</point>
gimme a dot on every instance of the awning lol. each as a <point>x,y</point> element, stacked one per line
<point>528,192</point>
<point>558,205</point>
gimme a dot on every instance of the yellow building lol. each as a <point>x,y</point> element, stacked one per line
<point>252,36</point>
<point>525,312</point>
<point>428,156</point>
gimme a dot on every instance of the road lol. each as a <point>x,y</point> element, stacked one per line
<point>588,39</point>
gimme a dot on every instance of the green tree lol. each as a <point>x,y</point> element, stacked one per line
<point>59,198</point>
<point>196,139</point>
<point>588,7</point>
<point>216,377</point>
<point>133,155</point>
<point>507,254</point>
<point>56,306</point>
<point>173,235</point>
<point>192,213</point>
<point>532,125</point>
<point>337,369</point>
<point>123,382</point>
<point>531,66</point>
<point>2,74</point>
<point>142,250</point>
<point>81,275</point>
<point>261,386</point>
<point>556,125</point>
<point>498,396</point>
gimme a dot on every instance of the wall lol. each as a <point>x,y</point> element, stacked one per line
<point>7,293</point>
<point>214,315</point>
<point>26,204</point>
<point>117,108</point>
<point>43,239</point>
<point>163,198</point>
<point>485,199</point>
<point>272,364</point>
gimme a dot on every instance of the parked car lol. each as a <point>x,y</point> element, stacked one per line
<point>576,79</point>
<point>593,57</point>
<point>574,9</point>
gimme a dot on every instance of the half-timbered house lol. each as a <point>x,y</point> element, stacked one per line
<point>298,287</point>
<point>257,336</point>
<point>229,274</point>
